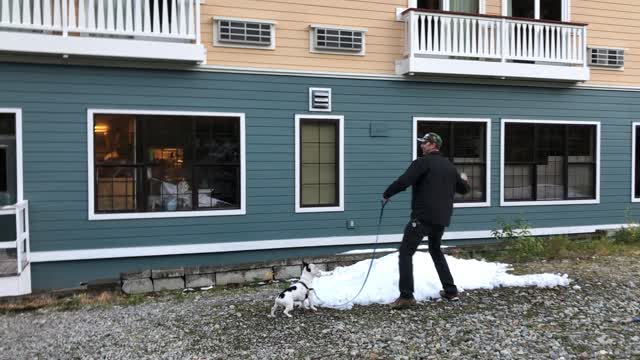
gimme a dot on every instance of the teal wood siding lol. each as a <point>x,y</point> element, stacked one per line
<point>54,102</point>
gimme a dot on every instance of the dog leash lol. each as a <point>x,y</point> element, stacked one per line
<point>373,256</point>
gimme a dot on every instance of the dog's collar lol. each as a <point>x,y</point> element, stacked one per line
<point>305,285</point>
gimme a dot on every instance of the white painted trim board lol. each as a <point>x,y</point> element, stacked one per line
<point>128,252</point>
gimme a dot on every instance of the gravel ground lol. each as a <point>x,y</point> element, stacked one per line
<point>587,321</point>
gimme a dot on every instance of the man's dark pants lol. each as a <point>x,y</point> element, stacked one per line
<point>412,237</point>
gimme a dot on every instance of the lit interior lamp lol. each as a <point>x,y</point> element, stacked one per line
<point>101,129</point>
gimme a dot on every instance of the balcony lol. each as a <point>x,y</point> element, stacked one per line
<point>156,30</point>
<point>445,43</point>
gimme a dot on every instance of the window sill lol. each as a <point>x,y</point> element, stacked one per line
<point>472,205</point>
<point>320,209</point>
<point>163,215</point>
<point>552,202</point>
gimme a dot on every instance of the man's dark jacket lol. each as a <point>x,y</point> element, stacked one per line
<point>435,182</point>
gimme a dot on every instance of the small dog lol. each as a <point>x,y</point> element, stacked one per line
<point>299,293</point>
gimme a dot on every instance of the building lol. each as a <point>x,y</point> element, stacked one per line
<point>137,134</point>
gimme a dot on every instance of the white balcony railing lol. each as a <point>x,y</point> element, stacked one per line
<point>174,24</point>
<point>512,43</point>
<point>21,243</point>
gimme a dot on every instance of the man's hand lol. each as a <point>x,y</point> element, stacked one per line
<point>464,177</point>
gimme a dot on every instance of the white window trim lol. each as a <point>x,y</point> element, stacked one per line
<point>312,43</point>
<point>482,5</point>
<point>19,154</point>
<point>218,43</point>
<point>340,206</point>
<point>549,202</point>
<point>633,161</point>
<point>566,9</point>
<point>173,214</point>
<point>414,134</point>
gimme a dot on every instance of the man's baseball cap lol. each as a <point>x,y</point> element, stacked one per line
<point>431,138</point>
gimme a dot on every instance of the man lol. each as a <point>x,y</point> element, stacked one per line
<point>434,180</point>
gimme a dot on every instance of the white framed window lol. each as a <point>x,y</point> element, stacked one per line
<point>465,6</point>
<point>244,33</point>
<point>337,40</point>
<point>635,162</point>
<point>558,10</point>
<point>319,166</point>
<point>162,164</point>
<point>467,144</point>
<point>11,177</point>
<point>549,162</point>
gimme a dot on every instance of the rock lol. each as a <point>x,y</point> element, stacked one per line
<point>168,284</point>
<point>137,286</point>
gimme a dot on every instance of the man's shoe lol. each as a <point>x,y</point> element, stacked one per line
<point>449,296</point>
<point>403,303</point>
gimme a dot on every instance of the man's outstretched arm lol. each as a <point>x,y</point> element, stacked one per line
<point>410,177</point>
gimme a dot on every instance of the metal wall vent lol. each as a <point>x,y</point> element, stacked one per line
<point>319,99</point>
<point>339,40</point>
<point>239,32</point>
<point>606,57</point>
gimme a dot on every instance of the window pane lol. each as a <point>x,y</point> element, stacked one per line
<point>581,178</point>
<point>174,163</point>
<point>327,153</point>
<point>560,165</point>
<point>476,175</point>
<point>637,155</point>
<point>463,143</point>
<point>468,142</point>
<point>7,124</point>
<point>310,194</point>
<point>318,168</point>
<point>327,194</point>
<point>310,174</point>
<point>327,174</point>
<point>518,182</point>
<point>518,142</point>
<point>549,153</point>
<point>115,188</point>
<point>521,8</point>
<point>581,142</point>
<point>4,169</point>
<point>168,172</point>
<point>429,4</point>
<point>551,10</point>
<point>467,6</point>
<point>550,182</point>
<point>217,140</point>
<point>114,139</point>
<point>218,186</point>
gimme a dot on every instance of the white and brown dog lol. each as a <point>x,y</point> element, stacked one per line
<point>299,294</point>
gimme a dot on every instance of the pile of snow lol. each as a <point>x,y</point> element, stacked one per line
<point>339,286</point>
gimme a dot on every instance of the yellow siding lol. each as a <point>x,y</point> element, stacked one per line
<point>494,7</point>
<point>383,39</point>
<point>612,23</point>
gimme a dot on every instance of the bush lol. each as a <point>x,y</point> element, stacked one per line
<point>558,247</point>
<point>629,234</point>
<point>521,245</point>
